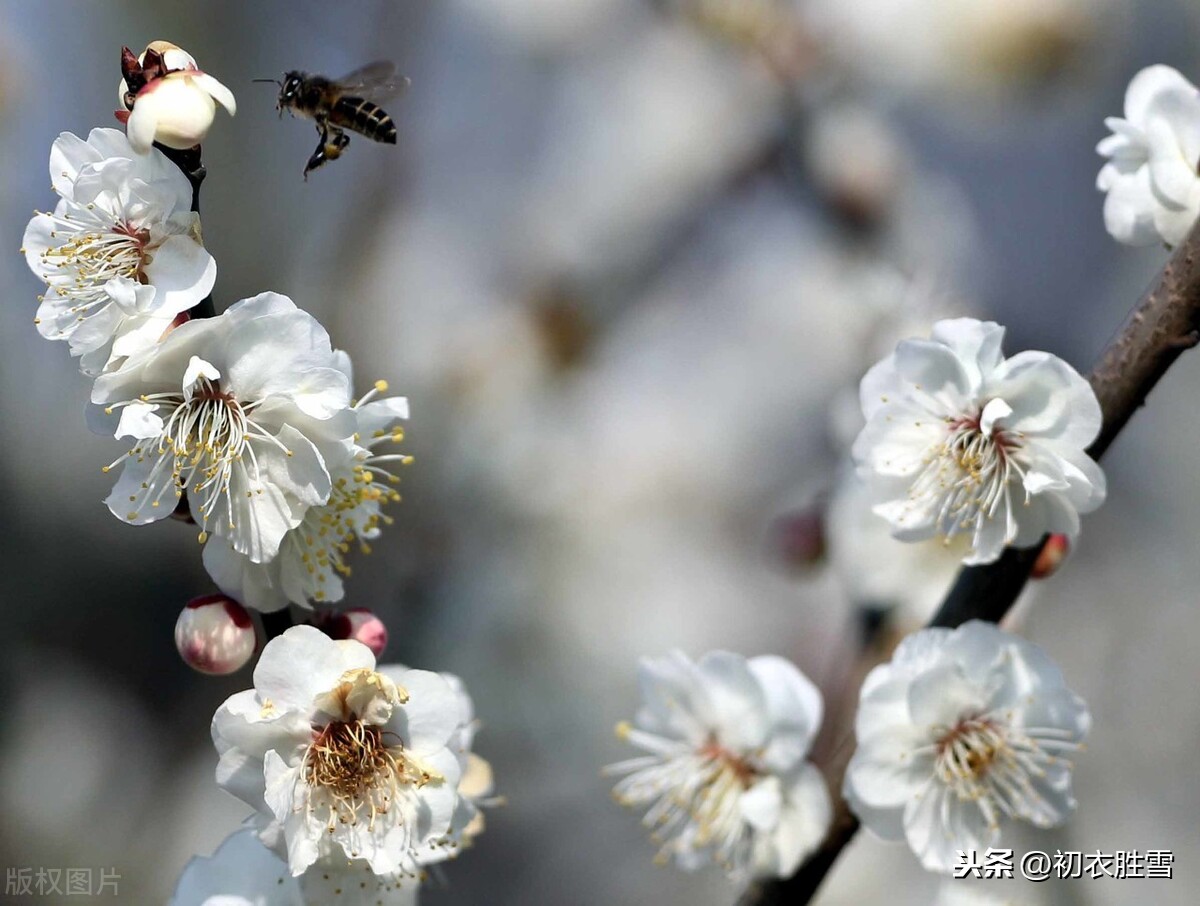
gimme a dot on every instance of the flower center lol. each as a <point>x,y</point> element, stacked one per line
<point>205,435</point>
<point>966,478</point>
<point>94,254</point>
<point>693,795</point>
<point>353,771</point>
<point>987,760</point>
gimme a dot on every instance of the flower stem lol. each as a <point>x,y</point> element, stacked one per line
<point>1164,323</point>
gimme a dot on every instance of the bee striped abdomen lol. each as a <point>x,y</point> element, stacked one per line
<point>365,118</point>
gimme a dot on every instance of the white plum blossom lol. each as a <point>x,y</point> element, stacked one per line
<point>244,872</point>
<point>312,556</point>
<point>175,108</point>
<point>1151,177</point>
<point>962,441</point>
<point>724,774</point>
<point>121,253</point>
<point>343,761</point>
<point>229,410</point>
<point>963,730</point>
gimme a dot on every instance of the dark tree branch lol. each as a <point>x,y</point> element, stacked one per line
<point>1164,323</point>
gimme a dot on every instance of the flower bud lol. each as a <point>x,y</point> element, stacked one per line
<point>1052,555</point>
<point>214,635</point>
<point>168,99</point>
<point>357,623</point>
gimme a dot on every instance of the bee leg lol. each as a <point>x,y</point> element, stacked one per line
<point>329,147</point>
<point>318,157</point>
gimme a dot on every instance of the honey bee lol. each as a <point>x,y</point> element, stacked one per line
<point>338,105</point>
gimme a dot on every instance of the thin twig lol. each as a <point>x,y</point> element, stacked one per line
<point>1164,323</point>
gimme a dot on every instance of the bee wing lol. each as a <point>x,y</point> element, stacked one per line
<point>376,81</point>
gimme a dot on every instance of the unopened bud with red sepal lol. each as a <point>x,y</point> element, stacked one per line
<point>166,98</point>
<point>357,623</point>
<point>1052,555</point>
<point>215,635</point>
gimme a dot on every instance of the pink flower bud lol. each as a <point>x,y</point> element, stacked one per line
<point>214,635</point>
<point>1052,556</point>
<point>357,623</point>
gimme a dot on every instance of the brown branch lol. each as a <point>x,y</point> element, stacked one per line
<point>1164,323</point>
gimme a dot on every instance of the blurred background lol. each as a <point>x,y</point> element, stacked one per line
<point>628,262</point>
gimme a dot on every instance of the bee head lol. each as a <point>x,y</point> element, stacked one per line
<point>289,88</point>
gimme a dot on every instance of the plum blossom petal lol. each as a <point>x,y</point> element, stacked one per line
<point>242,872</point>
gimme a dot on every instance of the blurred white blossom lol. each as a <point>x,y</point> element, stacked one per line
<point>962,730</point>
<point>121,253</point>
<point>343,761</point>
<point>1151,178</point>
<point>856,159</point>
<point>231,411</point>
<point>878,572</point>
<point>311,563</point>
<point>543,25</point>
<point>966,48</point>
<point>724,774</point>
<point>960,440</point>
<point>241,872</point>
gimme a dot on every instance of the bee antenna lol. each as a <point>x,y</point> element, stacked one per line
<point>273,81</point>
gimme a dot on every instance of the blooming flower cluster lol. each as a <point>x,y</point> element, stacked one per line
<point>248,415</point>
<point>724,774</point>
<point>961,441</point>
<point>963,730</point>
<point>1152,177</point>
<point>244,423</point>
